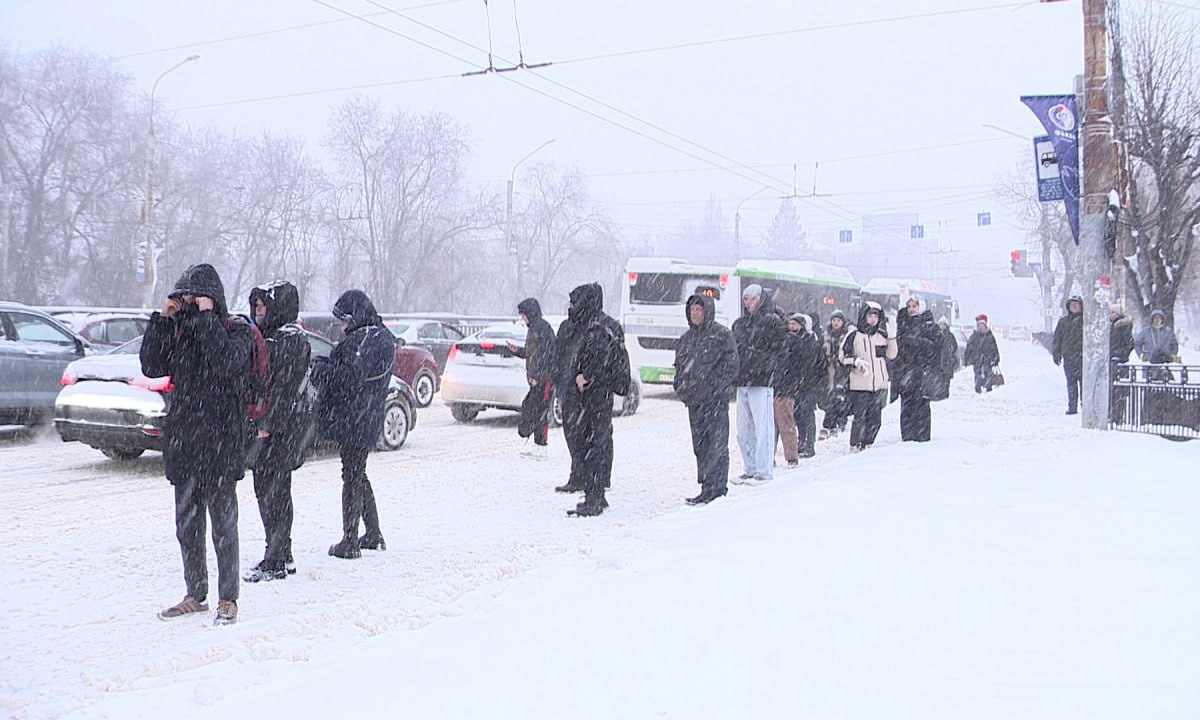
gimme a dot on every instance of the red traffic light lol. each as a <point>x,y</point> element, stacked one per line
<point>1016,256</point>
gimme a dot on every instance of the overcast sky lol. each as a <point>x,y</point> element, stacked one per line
<point>889,97</point>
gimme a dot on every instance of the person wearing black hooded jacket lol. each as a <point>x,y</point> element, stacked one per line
<point>706,363</point>
<point>1067,350</point>
<point>353,385</point>
<point>601,344</point>
<point>207,355</point>
<point>914,372</point>
<point>274,308</point>
<point>538,353</point>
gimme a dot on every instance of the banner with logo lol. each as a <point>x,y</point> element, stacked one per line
<point>1058,115</point>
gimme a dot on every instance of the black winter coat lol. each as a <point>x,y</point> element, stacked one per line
<point>915,369</point>
<point>760,338</point>
<point>539,342</point>
<point>206,428</point>
<point>706,357</point>
<point>981,350</point>
<point>946,365</point>
<point>1068,340</point>
<point>353,383</point>
<point>600,340</point>
<point>288,354</point>
<point>1120,338</point>
<point>804,367</point>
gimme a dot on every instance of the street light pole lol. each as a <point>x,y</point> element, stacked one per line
<point>151,264</point>
<point>737,223</point>
<point>508,234</point>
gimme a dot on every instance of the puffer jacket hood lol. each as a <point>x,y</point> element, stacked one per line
<point>804,319</point>
<point>530,308</point>
<point>587,302</point>
<point>202,279</point>
<point>710,309</point>
<point>282,300</point>
<point>871,306</point>
<point>355,306</point>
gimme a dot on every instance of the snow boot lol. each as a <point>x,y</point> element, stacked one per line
<point>266,571</point>
<point>372,540</point>
<point>707,495</point>
<point>593,505</point>
<point>347,549</point>
<point>569,488</point>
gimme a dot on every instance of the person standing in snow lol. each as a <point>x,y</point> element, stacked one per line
<point>837,389</point>
<point>806,359</point>
<point>867,351</point>
<point>982,353</point>
<point>566,350</point>
<point>538,353</point>
<point>706,363</point>
<point>785,383</point>
<point>353,386</point>
<point>1067,350</point>
<point>1157,344</point>
<point>915,368</point>
<point>597,371</point>
<point>759,335</point>
<point>1120,345</point>
<point>207,354</point>
<point>947,360</point>
<point>274,309</point>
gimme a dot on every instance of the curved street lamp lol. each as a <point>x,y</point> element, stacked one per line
<point>737,222</point>
<point>151,264</point>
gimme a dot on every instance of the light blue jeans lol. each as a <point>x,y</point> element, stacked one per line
<point>756,430</point>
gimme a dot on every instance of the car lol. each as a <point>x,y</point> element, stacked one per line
<point>106,402</point>
<point>1019,333</point>
<point>960,339</point>
<point>438,336</point>
<point>414,364</point>
<point>105,330</point>
<point>34,350</point>
<point>482,373</point>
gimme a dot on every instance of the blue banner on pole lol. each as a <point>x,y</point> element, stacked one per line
<point>1058,115</point>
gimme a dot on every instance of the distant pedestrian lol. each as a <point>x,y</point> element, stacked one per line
<point>867,351</point>
<point>1067,350</point>
<point>353,385</point>
<point>706,363</point>
<point>538,353</point>
<point>206,353</point>
<point>759,334</point>
<point>1120,345</point>
<point>947,359</point>
<point>837,391</point>
<point>785,383</point>
<point>1157,344</point>
<point>914,371</point>
<point>274,309</point>
<point>982,353</point>
<point>806,358</point>
<point>600,369</point>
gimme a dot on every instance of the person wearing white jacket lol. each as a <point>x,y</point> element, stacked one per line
<point>867,351</point>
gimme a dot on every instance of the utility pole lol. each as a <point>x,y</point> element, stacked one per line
<point>1099,178</point>
<point>513,246</point>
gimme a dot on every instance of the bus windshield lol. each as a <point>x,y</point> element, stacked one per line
<point>672,288</point>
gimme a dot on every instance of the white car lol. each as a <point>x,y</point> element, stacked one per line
<point>482,373</point>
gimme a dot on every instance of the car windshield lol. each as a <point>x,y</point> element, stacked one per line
<point>133,347</point>
<point>397,329</point>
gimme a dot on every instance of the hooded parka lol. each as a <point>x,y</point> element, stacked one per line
<point>706,357</point>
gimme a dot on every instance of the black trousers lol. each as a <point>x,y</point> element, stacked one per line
<point>535,410</point>
<point>596,443</point>
<point>273,489</point>
<point>710,443</point>
<point>837,409</point>
<point>915,418</point>
<point>195,498</point>
<point>805,415</point>
<point>358,498</point>
<point>572,427</point>
<point>867,406</point>
<point>1074,375</point>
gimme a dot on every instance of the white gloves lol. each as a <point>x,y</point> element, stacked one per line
<point>861,364</point>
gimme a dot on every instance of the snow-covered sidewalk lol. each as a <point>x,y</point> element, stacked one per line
<point>1014,567</point>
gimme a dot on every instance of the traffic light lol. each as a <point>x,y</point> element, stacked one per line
<point>1018,264</point>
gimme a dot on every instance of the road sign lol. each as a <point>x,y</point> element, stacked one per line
<point>1050,184</point>
<point>845,236</point>
<point>917,232</point>
<point>983,218</point>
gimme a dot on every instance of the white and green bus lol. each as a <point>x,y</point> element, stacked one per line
<point>655,292</point>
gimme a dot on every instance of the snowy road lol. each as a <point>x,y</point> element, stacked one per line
<point>1016,566</point>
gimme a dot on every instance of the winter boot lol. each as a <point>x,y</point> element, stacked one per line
<point>372,540</point>
<point>707,495</point>
<point>570,487</point>
<point>592,505</point>
<point>266,571</point>
<point>347,549</point>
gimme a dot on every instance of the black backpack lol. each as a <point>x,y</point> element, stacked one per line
<point>257,386</point>
<point>621,372</point>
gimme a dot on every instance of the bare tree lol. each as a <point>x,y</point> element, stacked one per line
<point>1158,120</point>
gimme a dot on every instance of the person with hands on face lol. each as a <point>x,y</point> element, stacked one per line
<point>207,355</point>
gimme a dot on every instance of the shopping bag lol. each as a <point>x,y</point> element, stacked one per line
<point>997,378</point>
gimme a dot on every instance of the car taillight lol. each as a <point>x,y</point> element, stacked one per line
<point>453,352</point>
<point>487,346</point>
<point>67,378</point>
<point>159,385</point>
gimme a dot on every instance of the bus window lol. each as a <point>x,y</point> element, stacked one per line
<point>669,288</point>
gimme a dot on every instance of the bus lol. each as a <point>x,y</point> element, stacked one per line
<point>655,292</point>
<point>892,294</point>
